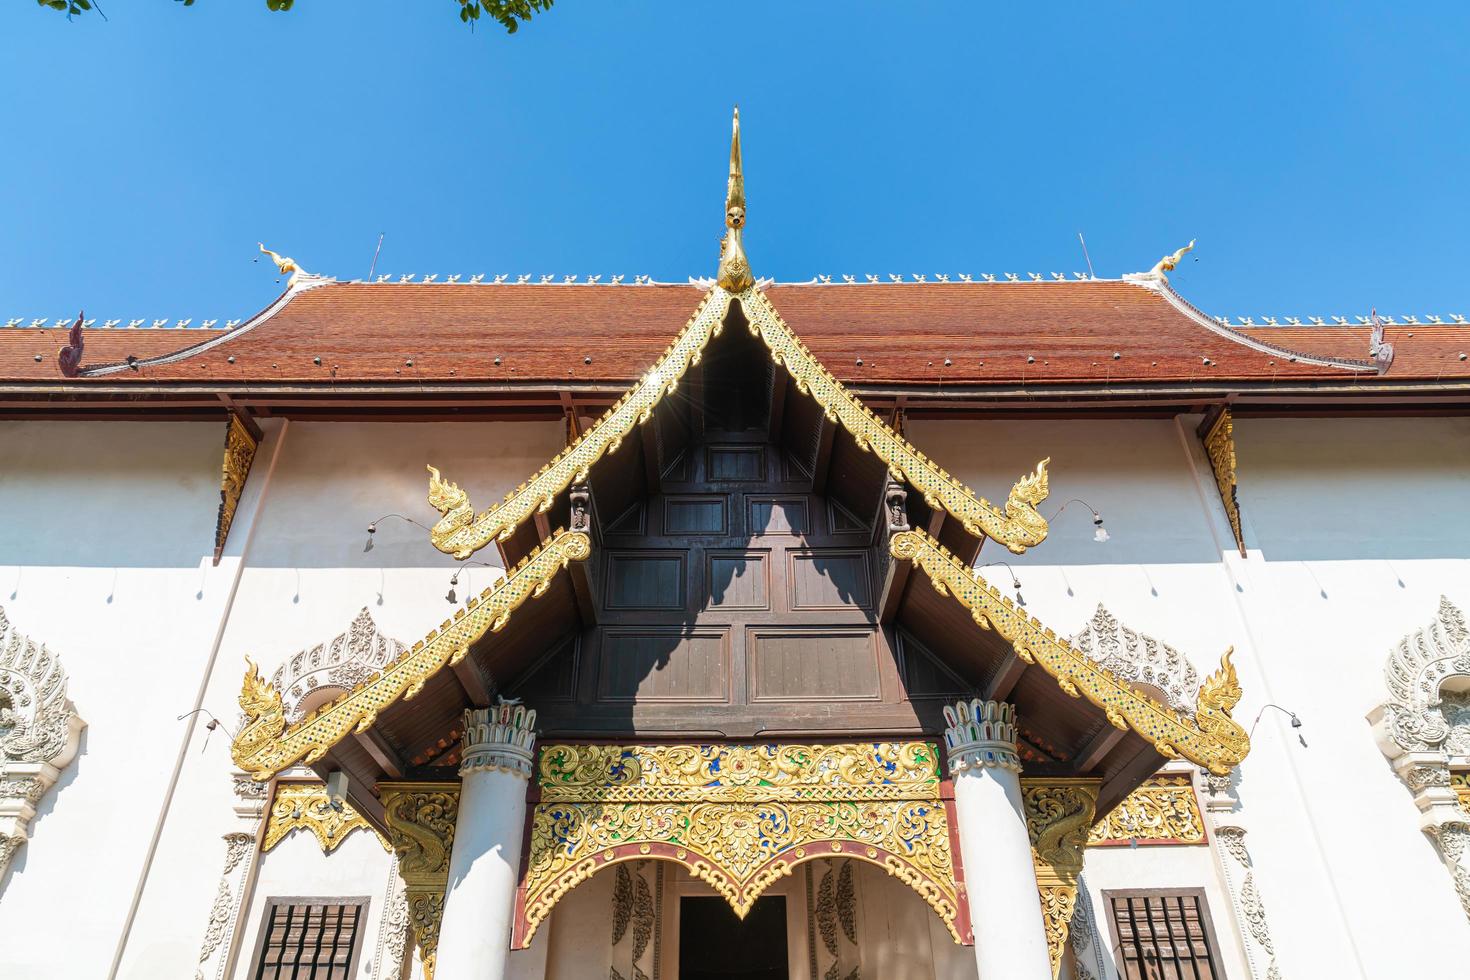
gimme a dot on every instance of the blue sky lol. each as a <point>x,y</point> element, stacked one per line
<point>1318,151</point>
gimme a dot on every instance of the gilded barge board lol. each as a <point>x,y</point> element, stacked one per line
<point>461,532</point>
<point>1211,738</point>
<point>266,745</point>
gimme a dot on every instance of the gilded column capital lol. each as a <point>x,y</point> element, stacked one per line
<point>981,734</point>
<point>1059,815</point>
<point>499,738</point>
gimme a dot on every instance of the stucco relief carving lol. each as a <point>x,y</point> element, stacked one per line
<point>1423,727</point>
<point>39,732</point>
<point>223,914</point>
<point>338,666</point>
<point>1140,658</point>
<point>1222,803</point>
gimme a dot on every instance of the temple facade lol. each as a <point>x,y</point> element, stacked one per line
<point>556,629</point>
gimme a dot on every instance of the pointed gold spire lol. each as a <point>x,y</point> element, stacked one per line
<point>735,273</point>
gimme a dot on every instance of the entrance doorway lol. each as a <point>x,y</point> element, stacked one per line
<point>715,944</point>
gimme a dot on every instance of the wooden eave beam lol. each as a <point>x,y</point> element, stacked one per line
<point>822,464</point>
<point>1128,778</point>
<point>375,745</point>
<point>895,581</point>
<point>476,687</point>
<point>1096,750</point>
<point>1006,677</point>
<point>653,463</point>
<point>779,381</point>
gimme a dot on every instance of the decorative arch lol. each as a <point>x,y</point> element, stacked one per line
<point>336,666</point>
<point>1139,658</point>
<point>39,732</point>
<point>1424,729</point>
<point>739,817</point>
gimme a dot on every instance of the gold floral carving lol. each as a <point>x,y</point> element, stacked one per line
<point>738,816</point>
<point>1211,738</point>
<point>1163,810</point>
<point>1460,783</point>
<point>420,818</point>
<point>265,745</point>
<point>1059,815</point>
<point>306,806</point>
<point>240,447</point>
<point>461,532</point>
<point>1018,526</point>
<point>1220,447</point>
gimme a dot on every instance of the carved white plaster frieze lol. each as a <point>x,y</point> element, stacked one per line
<point>337,666</point>
<point>1139,658</point>
<point>1423,727</point>
<point>39,732</point>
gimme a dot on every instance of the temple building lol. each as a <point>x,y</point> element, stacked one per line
<point>563,628</point>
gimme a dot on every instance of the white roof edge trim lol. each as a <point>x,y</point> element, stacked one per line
<point>1183,305</point>
<point>295,286</point>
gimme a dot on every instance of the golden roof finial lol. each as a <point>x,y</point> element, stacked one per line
<point>734,272</point>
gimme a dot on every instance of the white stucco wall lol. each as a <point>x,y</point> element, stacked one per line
<point>1355,529</point>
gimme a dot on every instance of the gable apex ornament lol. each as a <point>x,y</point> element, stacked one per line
<point>1167,264</point>
<point>734,275</point>
<point>1140,658</point>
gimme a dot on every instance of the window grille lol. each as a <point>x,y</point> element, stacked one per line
<point>309,939</point>
<point>1163,934</point>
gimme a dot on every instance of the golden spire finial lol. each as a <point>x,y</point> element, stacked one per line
<point>734,272</point>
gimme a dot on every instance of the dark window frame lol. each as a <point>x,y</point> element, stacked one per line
<point>1206,917</point>
<point>363,902</point>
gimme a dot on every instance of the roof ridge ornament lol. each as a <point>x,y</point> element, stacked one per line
<point>1164,265</point>
<point>734,272</point>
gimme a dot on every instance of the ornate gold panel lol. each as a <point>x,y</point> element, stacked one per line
<point>421,818</point>
<point>1211,738</point>
<point>1164,810</point>
<point>1220,447</point>
<point>306,806</point>
<point>739,817</point>
<point>265,745</point>
<point>240,447</point>
<point>1058,816</point>
<point>1460,783</point>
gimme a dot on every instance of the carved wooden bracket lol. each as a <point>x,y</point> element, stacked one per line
<point>1218,435</point>
<point>240,446</point>
<point>421,820</point>
<point>1059,816</point>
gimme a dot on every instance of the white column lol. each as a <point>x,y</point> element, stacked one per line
<point>1005,909</point>
<point>479,900</point>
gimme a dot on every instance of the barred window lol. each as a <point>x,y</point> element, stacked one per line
<point>309,938</point>
<point>1163,934</point>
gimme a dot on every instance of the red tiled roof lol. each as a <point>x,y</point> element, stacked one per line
<point>990,333</point>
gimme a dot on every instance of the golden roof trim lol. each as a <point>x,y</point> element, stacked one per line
<point>1211,738</point>
<point>266,745</point>
<point>1018,525</point>
<point>461,532</point>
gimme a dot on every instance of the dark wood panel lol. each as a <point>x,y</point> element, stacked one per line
<point>829,579</point>
<point>777,515</point>
<point>822,664</point>
<point>738,580</point>
<point>695,515</point>
<point>840,520</point>
<point>664,664</point>
<point>645,580</point>
<point>925,675</point>
<point>737,463</point>
<point>553,678</point>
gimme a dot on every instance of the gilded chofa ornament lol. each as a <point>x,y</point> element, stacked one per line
<point>461,532</point>
<point>734,275</point>
<point>1058,817</point>
<point>266,745</point>
<point>307,806</point>
<point>421,818</point>
<point>1211,738</point>
<point>738,817</point>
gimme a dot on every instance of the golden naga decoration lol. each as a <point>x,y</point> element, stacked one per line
<point>1058,817</point>
<point>1164,810</point>
<point>739,817</point>
<point>421,818</point>
<point>240,447</point>
<point>1220,447</point>
<point>1019,526</point>
<point>284,264</point>
<point>265,745</point>
<point>734,275</point>
<point>1211,738</point>
<point>306,806</point>
<point>461,532</point>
